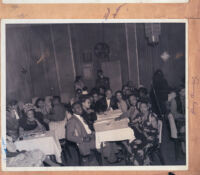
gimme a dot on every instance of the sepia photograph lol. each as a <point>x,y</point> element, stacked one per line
<point>94,95</point>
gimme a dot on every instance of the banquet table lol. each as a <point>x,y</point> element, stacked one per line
<point>107,129</point>
<point>46,142</point>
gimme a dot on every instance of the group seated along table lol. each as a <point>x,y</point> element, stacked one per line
<point>107,129</point>
<point>44,141</point>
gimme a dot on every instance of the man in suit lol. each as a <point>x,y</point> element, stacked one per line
<point>102,81</point>
<point>58,110</point>
<point>108,102</point>
<point>79,132</point>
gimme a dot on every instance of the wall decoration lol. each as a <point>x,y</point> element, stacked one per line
<point>153,31</point>
<point>45,54</point>
<point>165,56</point>
<point>102,50</point>
<point>179,55</point>
<point>23,70</point>
<point>87,71</point>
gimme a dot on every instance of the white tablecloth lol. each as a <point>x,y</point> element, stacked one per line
<point>109,115</point>
<point>114,135</point>
<point>111,130</point>
<point>47,143</point>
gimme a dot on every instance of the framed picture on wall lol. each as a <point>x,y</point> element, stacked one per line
<point>87,71</point>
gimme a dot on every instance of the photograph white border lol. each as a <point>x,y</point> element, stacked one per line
<point>80,168</point>
<point>90,1</point>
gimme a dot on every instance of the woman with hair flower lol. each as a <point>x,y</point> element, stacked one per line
<point>28,123</point>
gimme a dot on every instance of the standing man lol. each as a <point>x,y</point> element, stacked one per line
<point>58,110</point>
<point>102,81</point>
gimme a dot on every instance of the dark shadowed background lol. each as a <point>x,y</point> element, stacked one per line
<point>43,60</point>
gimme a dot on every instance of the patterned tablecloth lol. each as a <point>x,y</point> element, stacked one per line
<point>46,142</point>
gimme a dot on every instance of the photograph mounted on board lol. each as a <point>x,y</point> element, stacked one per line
<point>90,1</point>
<point>99,95</point>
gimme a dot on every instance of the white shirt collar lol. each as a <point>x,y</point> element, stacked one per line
<point>84,124</point>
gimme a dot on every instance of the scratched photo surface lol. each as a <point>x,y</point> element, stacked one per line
<point>93,1</point>
<point>92,95</point>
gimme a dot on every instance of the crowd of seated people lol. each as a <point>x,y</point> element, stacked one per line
<point>143,110</point>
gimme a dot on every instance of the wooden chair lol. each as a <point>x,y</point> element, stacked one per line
<point>175,135</point>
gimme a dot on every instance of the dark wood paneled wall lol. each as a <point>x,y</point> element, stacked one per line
<point>51,76</point>
<point>172,40</point>
<point>63,46</point>
<point>44,73</point>
<point>84,38</point>
<point>18,84</point>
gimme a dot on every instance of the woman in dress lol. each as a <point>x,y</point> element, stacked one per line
<point>40,106</point>
<point>132,111</point>
<point>121,103</point>
<point>41,112</point>
<point>28,123</point>
<point>146,132</point>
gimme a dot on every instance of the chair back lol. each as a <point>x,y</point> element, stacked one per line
<point>160,125</point>
<point>172,124</point>
<point>34,99</point>
<point>58,128</point>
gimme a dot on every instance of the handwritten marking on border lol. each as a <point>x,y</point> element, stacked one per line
<point>195,82</point>
<point>194,106</point>
<point>114,15</point>
<point>117,10</point>
<point>107,14</point>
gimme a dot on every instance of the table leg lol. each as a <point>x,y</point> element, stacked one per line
<point>102,157</point>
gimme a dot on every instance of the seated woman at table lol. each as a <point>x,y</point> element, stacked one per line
<point>133,110</point>
<point>41,112</point>
<point>121,103</point>
<point>146,132</point>
<point>28,123</point>
<point>88,114</point>
<point>40,106</point>
<point>125,91</point>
